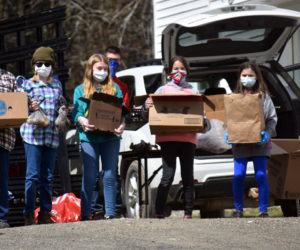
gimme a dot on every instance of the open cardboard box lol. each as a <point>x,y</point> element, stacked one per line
<point>284,169</point>
<point>214,107</point>
<point>13,109</point>
<point>105,112</point>
<point>176,114</point>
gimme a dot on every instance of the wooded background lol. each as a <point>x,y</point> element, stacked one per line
<point>92,25</point>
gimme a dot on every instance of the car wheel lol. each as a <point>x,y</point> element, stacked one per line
<point>290,208</point>
<point>131,195</point>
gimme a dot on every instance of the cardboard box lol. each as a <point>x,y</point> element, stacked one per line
<point>284,169</point>
<point>105,112</point>
<point>244,118</point>
<point>176,114</point>
<point>214,107</point>
<point>13,109</point>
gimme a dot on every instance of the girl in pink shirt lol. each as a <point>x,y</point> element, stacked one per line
<point>176,145</point>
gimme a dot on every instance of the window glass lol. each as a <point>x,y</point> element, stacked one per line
<point>295,74</point>
<point>256,35</point>
<point>152,82</point>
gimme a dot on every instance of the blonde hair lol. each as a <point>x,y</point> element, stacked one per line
<point>90,85</point>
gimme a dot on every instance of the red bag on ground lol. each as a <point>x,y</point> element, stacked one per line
<point>65,208</point>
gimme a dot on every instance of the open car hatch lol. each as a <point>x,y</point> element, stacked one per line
<point>234,33</point>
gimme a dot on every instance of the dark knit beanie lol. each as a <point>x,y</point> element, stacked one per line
<point>43,54</point>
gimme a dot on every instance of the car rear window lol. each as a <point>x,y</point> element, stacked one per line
<point>232,36</point>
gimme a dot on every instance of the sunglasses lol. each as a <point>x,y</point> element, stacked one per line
<point>40,64</point>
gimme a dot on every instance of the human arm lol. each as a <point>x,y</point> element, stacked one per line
<point>270,120</point>
<point>79,111</point>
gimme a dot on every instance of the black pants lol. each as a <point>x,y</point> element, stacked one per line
<point>170,151</point>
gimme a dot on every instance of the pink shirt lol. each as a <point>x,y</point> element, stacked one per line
<point>171,88</point>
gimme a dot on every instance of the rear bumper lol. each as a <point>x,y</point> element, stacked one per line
<point>220,187</point>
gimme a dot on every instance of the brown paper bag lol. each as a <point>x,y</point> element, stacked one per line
<point>245,118</point>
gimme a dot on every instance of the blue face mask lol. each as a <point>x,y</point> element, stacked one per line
<point>248,81</point>
<point>114,66</point>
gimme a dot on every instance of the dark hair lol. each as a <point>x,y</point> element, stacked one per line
<point>259,86</point>
<point>180,59</point>
<point>113,50</point>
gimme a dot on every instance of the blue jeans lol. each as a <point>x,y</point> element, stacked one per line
<point>97,201</point>
<point>260,167</point>
<point>4,169</point>
<point>90,153</point>
<point>40,168</point>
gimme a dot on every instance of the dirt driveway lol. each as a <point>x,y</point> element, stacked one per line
<point>171,233</point>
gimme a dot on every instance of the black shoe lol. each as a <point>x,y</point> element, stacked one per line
<point>109,217</point>
<point>28,219</point>
<point>3,224</point>
<point>237,214</point>
<point>119,212</point>
<point>45,218</point>
<point>263,215</point>
<point>98,215</point>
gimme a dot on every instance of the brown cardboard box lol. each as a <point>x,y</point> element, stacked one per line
<point>105,112</point>
<point>284,169</point>
<point>13,109</point>
<point>214,107</point>
<point>244,117</point>
<point>176,114</point>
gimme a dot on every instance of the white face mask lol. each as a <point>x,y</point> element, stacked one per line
<point>100,76</point>
<point>43,70</point>
<point>248,81</point>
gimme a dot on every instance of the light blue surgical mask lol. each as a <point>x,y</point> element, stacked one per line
<point>248,81</point>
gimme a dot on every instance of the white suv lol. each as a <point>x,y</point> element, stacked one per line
<point>214,46</point>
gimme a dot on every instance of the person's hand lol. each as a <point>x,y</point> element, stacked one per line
<point>149,102</point>
<point>119,131</point>
<point>84,122</point>
<point>265,137</point>
<point>226,139</point>
<point>34,106</point>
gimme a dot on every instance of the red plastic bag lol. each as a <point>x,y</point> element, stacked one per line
<point>65,208</point>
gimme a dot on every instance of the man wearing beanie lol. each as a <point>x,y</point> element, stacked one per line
<point>40,138</point>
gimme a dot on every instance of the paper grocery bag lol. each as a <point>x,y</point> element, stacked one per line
<point>245,118</point>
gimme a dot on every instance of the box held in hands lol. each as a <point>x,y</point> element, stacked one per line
<point>13,109</point>
<point>105,112</point>
<point>176,114</point>
<point>214,107</point>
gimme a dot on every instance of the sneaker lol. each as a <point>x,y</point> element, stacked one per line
<point>28,219</point>
<point>237,214</point>
<point>187,217</point>
<point>3,224</point>
<point>109,217</point>
<point>263,215</point>
<point>45,219</point>
<point>159,216</point>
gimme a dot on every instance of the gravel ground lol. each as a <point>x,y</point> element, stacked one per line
<point>170,233</point>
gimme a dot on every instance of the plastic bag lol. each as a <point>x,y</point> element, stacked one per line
<point>65,208</point>
<point>62,123</point>
<point>38,118</point>
<point>213,140</point>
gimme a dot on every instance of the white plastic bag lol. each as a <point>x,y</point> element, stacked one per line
<point>213,140</point>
